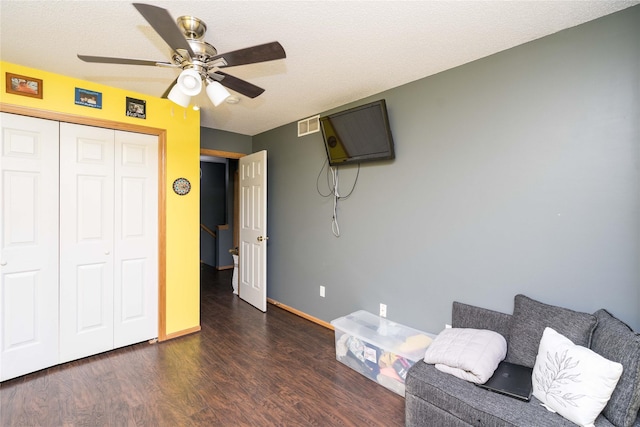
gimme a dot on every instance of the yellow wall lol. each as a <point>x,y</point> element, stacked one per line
<point>182,160</point>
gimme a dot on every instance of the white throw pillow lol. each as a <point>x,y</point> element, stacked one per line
<point>572,380</point>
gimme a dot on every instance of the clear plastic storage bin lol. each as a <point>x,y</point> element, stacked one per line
<point>378,348</point>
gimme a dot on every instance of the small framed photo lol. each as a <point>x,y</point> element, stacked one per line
<point>136,108</point>
<point>23,85</point>
<point>88,98</point>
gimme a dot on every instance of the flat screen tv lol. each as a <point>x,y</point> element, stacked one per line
<point>360,134</point>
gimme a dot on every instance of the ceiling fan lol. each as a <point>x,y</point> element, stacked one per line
<point>199,60</point>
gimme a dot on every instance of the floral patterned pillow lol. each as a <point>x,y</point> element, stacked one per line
<point>572,380</point>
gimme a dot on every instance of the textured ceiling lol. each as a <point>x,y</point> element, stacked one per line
<point>337,51</point>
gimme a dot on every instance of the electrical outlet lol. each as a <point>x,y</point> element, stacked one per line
<point>447,326</point>
<point>322,291</point>
<point>383,310</point>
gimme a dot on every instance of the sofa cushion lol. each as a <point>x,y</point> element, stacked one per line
<point>469,404</point>
<point>616,341</point>
<point>470,316</point>
<point>420,413</point>
<point>531,317</point>
<point>572,380</point>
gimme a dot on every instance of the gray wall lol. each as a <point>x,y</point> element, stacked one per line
<point>214,139</point>
<point>517,173</point>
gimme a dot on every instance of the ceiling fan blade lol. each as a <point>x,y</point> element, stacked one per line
<point>165,26</point>
<point>108,60</point>
<point>251,55</point>
<point>239,85</point>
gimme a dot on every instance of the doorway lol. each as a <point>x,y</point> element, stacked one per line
<point>218,208</point>
<point>215,221</point>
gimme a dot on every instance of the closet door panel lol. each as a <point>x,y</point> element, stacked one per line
<point>136,238</point>
<point>86,240</point>
<point>29,245</point>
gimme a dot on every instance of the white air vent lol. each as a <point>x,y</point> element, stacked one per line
<point>310,125</point>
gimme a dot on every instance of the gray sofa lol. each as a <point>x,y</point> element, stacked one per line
<point>437,399</point>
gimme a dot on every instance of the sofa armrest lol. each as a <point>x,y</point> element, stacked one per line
<point>470,316</point>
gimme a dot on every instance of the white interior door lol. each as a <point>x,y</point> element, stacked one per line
<point>253,230</point>
<point>136,238</point>
<point>29,245</point>
<point>86,240</point>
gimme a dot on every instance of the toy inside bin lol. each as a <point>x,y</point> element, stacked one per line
<point>378,348</point>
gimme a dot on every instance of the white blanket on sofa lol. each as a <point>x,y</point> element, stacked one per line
<point>470,354</point>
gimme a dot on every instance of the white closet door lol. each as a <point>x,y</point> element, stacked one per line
<point>136,238</point>
<point>86,240</point>
<point>29,245</point>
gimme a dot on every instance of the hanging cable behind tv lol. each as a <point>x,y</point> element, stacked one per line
<point>333,184</point>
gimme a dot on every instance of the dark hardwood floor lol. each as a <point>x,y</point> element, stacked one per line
<point>245,368</point>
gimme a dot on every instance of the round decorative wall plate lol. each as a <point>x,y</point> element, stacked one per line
<point>181,186</point>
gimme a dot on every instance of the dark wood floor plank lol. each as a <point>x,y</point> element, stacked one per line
<point>244,368</point>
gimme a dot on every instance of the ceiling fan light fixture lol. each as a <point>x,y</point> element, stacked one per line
<point>190,82</point>
<point>198,60</point>
<point>216,92</point>
<point>176,95</point>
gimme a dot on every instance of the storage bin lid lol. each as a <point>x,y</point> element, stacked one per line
<point>389,336</point>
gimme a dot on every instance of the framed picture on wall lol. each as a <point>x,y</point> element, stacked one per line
<point>88,98</point>
<point>136,108</point>
<point>23,85</point>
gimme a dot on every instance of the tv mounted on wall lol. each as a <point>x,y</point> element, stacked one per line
<point>360,134</point>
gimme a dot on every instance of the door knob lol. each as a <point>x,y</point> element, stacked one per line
<point>3,263</point>
<point>260,238</point>
<point>107,252</point>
